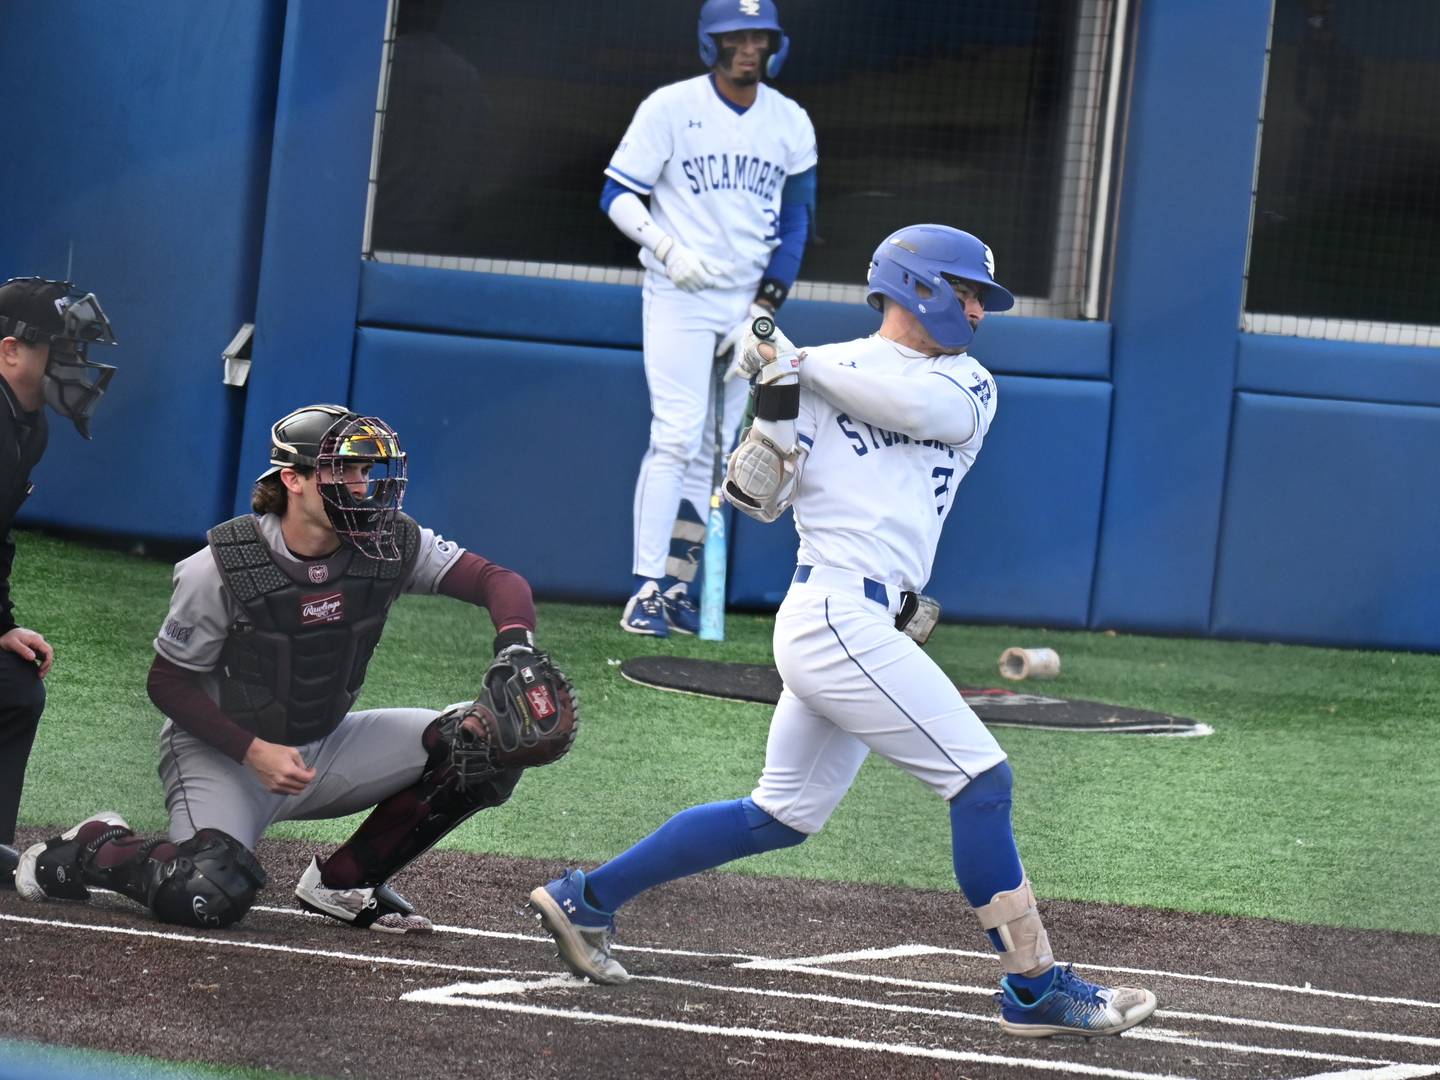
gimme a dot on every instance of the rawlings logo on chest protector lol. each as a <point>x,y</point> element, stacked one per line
<point>322,609</point>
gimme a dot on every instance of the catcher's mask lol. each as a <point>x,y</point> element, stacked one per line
<point>38,311</point>
<point>360,471</point>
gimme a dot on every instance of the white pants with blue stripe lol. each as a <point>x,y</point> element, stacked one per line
<point>853,684</point>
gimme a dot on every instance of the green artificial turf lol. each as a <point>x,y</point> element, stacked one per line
<point>1316,800</point>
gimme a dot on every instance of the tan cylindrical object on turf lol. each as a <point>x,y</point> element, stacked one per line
<point>1020,663</point>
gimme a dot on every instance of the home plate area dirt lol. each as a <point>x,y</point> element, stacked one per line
<point>735,976</point>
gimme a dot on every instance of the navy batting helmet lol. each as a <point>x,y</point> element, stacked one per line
<point>722,16</point>
<point>911,267</point>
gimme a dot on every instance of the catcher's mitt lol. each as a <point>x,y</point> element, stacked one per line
<point>525,715</point>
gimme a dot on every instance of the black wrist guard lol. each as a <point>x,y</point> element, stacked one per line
<point>772,292</point>
<point>515,635</point>
<point>777,402</point>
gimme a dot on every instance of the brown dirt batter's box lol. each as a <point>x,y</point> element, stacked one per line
<point>737,975</point>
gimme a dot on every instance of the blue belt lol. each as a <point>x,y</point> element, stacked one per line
<point>874,590</point>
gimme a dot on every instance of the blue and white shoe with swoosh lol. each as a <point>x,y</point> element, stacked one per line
<point>1073,1006</point>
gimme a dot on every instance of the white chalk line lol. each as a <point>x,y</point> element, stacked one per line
<point>406,962</point>
<point>455,995</point>
<point>541,939</point>
<point>923,950</point>
<point>803,963</point>
<point>1149,1034</point>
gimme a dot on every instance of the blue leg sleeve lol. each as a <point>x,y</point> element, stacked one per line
<point>697,839</point>
<point>986,860</point>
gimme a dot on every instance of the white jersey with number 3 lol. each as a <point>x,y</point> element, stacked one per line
<point>714,177</point>
<point>873,500</point>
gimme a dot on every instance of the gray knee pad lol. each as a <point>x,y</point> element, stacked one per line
<point>211,881</point>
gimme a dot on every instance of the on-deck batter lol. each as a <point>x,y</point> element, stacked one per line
<point>728,166</point>
<point>868,440</point>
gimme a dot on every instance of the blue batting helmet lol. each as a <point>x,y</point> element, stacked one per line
<point>924,255</point>
<point>723,16</point>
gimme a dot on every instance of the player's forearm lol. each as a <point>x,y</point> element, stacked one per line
<point>502,592</point>
<point>633,219</point>
<point>178,695</point>
<point>921,406</point>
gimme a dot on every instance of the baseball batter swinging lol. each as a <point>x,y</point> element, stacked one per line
<point>903,413</point>
<point>728,167</point>
<point>263,652</point>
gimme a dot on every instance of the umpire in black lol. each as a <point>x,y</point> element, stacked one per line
<point>46,328</point>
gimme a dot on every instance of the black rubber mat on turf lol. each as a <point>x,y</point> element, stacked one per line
<point>995,706</point>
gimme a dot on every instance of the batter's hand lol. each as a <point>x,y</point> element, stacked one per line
<point>687,269</point>
<point>281,768</point>
<point>753,353</point>
<point>28,645</point>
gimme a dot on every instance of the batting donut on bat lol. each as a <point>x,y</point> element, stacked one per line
<point>727,166</point>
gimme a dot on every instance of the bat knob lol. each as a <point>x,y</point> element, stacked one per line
<point>763,328</point>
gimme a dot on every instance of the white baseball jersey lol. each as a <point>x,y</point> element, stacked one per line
<point>874,500</point>
<point>714,177</point>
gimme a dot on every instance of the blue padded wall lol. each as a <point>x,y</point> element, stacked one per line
<point>1339,369</point>
<point>542,309</point>
<point>524,452</point>
<point>1022,538</point>
<point>1019,544</point>
<point>1328,536</point>
<point>1179,261</point>
<point>138,139</point>
<point>310,266</point>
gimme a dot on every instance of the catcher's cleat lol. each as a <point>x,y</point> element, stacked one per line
<point>582,932</point>
<point>1073,1006</point>
<point>645,612</point>
<point>680,611</point>
<point>378,907</point>
<point>55,869</point>
<point>9,859</point>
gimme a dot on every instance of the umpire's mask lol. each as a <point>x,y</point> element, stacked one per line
<point>361,471</point>
<point>39,311</point>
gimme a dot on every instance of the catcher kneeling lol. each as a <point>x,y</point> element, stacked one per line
<point>262,655</point>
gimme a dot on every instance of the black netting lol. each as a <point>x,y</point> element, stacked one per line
<point>501,118</point>
<point>1347,214</point>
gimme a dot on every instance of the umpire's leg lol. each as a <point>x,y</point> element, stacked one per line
<point>22,699</point>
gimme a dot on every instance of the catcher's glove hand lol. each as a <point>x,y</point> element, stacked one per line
<point>526,715</point>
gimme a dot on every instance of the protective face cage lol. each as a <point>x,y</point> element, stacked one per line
<point>74,384</point>
<point>361,472</point>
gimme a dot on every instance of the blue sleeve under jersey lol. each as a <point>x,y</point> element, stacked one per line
<point>797,213</point>
<point>613,189</point>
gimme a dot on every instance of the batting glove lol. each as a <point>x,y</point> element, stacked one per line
<point>687,269</point>
<point>749,359</point>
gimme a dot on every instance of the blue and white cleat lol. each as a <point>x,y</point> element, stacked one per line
<point>1073,1006</point>
<point>680,611</point>
<point>645,612</point>
<point>582,932</point>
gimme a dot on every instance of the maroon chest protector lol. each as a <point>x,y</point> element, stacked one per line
<point>292,669</point>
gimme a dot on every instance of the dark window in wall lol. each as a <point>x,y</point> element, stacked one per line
<point>1347,213</point>
<point>502,117</point>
